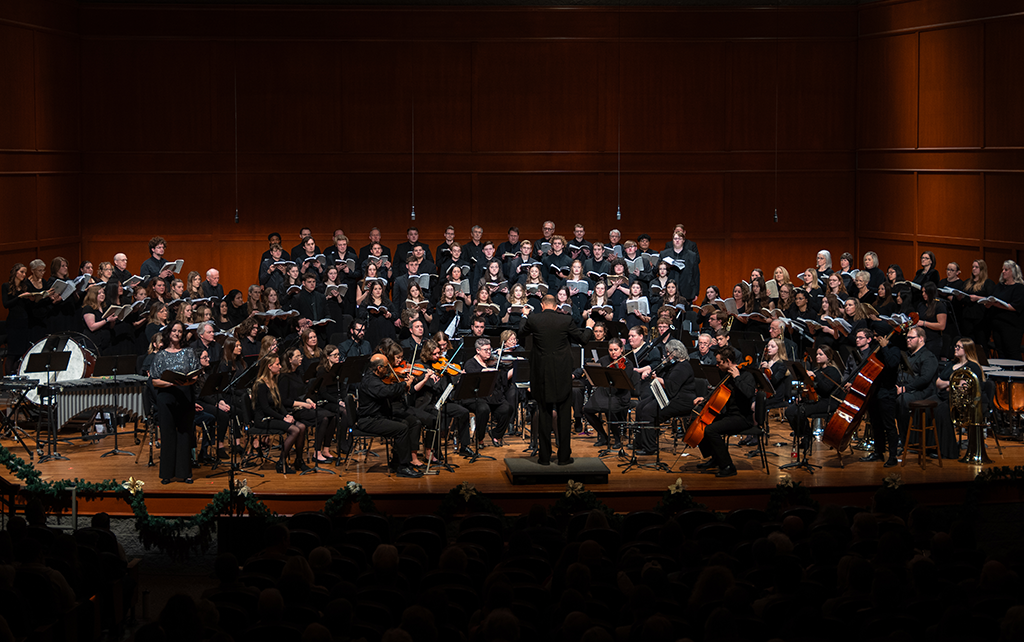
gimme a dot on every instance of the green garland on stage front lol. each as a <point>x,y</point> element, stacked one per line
<point>182,535</point>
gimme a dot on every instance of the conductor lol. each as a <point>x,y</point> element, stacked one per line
<point>551,367</point>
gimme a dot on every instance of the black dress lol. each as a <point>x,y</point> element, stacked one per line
<point>17,323</point>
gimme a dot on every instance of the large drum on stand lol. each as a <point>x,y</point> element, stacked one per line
<point>1008,399</point>
<point>80,366</point>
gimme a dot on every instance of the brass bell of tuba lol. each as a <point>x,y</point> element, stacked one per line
<point>965,411</point>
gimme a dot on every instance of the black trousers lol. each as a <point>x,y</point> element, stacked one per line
<point>176,414</point>
<point>546,422</point>
<point>797,415</point>
<point>483,410</point>
<point>713,444</point>
<point>397,430</point>
<point>882,412</point>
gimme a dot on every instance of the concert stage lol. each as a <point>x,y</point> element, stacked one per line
<point>636,489</point>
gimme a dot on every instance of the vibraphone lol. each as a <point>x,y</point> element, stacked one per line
<point>78,396</point>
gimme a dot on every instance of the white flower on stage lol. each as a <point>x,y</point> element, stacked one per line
<point>785,481</point>
<point>467,490</point>
<point>573,488</point>
<point>242,487</point>
<point>677,487</point>
<point>353,487</point>
<point>894,481</point>
<point>133,485</point>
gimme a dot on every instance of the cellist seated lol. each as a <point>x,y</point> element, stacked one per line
<point>734,417</point>
<point>675,374</point>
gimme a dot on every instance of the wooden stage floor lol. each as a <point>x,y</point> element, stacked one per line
<point>636,489</point>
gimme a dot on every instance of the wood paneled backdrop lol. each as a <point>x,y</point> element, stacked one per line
<point>897,126</point>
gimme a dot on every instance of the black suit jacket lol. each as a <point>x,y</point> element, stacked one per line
<point>310,305</point>
<point>551,362</point>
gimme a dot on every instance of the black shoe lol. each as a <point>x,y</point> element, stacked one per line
<point>646,452</point>
<point>300,465</point>
<point>188,480</point>
<point>284,468</point>
<point>465,452</point>
<point>748,441</point>
<point>165,481</point>
<point>728,471</point>
<point>872,457</point>
<point>892,461</point>
<point>566,462</point>
<point>601,441</point>
<point>222,454</point>
<point>408,471</point>
<point>707,464</point>
<point>498,443</point>
<point>543,462</point>
<point>616,444</point>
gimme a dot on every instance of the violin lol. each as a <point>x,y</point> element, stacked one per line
<point>619,363</point>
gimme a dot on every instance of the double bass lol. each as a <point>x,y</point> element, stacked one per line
<point>845,420</point>
<point>711,409</point>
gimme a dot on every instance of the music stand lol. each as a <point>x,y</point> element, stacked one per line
<point>242,382</point>
<point>595,350</point>
<point>797,367</point>
<point>112,366</point>
<point>50,363</point>
<point>10,423</point>
<point>610,379</point>
<point>616,329</point>
<point>350,372</point>
<point>476,385</point>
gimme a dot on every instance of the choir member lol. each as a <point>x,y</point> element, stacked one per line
<point>1007,319</point>
<point>932,317</point>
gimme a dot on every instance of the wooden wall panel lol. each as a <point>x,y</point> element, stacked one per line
<point>951,205</point>
<point>889,251</point>
<point>58,198</point>
<point>57,92</point>
<point>964,256</point>
<point>146,95</point>
<point>662,200</point>
<point>886,202</point>
<point>530,199</point>
<point>17,84</point>
<point>383,82</point>
<point>540,96</point>
<point>673,95</point>
<point>1004,196</point>
<point>887,92</point>
<point>165,204</point>
<point>816,96</point>
<point>1004,83</point>
<point>751,105</point>
<point>18,196</point>
<point>951,92</point>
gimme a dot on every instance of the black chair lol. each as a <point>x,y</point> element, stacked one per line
<point>364,438</point>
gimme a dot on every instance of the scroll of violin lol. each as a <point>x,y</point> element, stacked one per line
<point>846,418</point>
<point>711,409</point>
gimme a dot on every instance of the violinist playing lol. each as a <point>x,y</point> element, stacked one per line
<point>377,417</point>
<point>675,374</point>
<point>826,377</point>
<point>736,416</point>
<point>446,373</point>
<point>405,407</point>
<point>613,402</point>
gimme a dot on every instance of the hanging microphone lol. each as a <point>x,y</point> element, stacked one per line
<point>414,212</point>
<point>618,214</point>
<point>776,215</point>
<point>236,215</point>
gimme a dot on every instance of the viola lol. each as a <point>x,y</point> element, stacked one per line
<point>444,366</point>
<point>711,409</point>
<point>846,418</point>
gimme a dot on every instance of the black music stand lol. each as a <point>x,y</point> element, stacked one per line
<point>617,329</point>
<point>50,363</point>
<point>442,423</point>
<point>10,423</point>
<point>797,367</point>
<point>242,383</point>
<point>612,379</point>
<point>112,366</point>
<point>595,350</point>
<point>221,383</point>
<point>350,373</point>
<point>476,385</point>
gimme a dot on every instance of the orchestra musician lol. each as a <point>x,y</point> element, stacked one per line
<point>613,403</point>
<point>736,416</point>
<point>434,387</point>
<point>826,378</point>
<point>965,355</point>
<point>496,404</point>
<point>675,375</point>
<point>882,403</point>
<point>376,416</point>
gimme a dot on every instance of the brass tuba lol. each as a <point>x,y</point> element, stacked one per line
<point>965,411</point>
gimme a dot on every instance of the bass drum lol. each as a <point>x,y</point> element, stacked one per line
<point>80,366</point>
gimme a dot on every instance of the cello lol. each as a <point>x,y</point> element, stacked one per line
<point>845,420</point>
<point>711,409</point>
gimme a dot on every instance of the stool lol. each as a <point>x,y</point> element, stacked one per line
<point>922,422</point>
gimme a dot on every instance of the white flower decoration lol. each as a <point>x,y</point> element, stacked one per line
<point>677,487</point>
<point>133,485</point>
<point>573,488</point>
